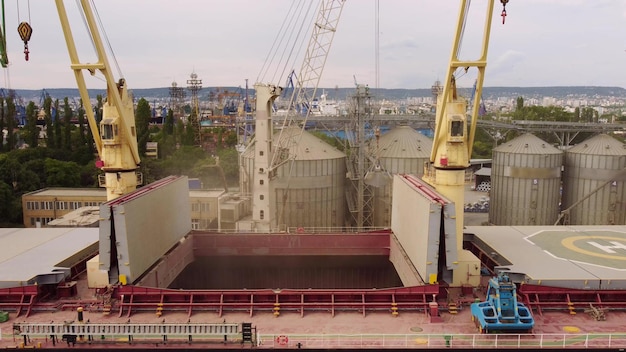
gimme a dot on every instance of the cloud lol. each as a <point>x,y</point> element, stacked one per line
<point>509,60</point>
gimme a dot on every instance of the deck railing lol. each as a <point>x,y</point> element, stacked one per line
<point>432,341</point>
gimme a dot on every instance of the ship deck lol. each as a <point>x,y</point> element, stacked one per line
<point>343,330</point>
<point>579,257</point>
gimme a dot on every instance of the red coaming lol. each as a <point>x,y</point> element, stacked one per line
<point>539,297</point>
<point>19,298</point>
<point>425,189</point>
<point>143,190</point>
<point>212,244</point>
<point>134,298</point>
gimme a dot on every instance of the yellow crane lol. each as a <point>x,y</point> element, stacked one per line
<point>116,137</point>
<point>453,138</point>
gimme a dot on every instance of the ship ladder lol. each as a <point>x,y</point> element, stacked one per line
<point>452,308</point>
<point>570,306</point>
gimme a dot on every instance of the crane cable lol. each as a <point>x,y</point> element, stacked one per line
<point>468,4</point>
<point>25,30</point>
<point>5,59</point>
<point>280,36</point>
<point>104,35</point>
<point>288,43</point>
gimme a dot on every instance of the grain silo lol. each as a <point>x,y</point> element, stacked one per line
<point>525,182</point>
<point>593,182</point>
<point>402,150</point>
<point>314,194</point>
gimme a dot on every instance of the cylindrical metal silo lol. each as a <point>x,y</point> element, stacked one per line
<point>311,193</point>
<point>525,182</point>
<point>402,150</point>
<point>593,182</point>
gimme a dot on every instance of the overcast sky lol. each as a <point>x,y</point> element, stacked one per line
<point>225,42</point>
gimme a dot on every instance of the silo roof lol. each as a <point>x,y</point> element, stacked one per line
<point>404,142</point>
<point>308,146</point>
<point>527,144</point>
<point>602,144</point>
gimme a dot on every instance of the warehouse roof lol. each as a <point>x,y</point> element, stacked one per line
<point>41,255</point>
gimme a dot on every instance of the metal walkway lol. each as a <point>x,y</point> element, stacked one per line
<point>129,330</point>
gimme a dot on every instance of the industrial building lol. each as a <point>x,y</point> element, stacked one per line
<point>534,183</point>
<point>42,206</point>
<point>525,182</point>
<point>402,150</point>
<point>594,191</point>
<point>308,192</point>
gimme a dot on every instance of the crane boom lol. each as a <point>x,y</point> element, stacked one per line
<point>4,58</point>
<point>307,81</point>
<point>453,140</point>
<point>116,139</point>
<point>270,152</point>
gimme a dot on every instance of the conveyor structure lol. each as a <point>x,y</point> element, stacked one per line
<point>71,332</point>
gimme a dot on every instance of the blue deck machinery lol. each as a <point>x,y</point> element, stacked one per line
<point>501,312</point>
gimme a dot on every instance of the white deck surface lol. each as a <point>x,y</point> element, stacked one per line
<point>587,257</point>
<point>29,252</point>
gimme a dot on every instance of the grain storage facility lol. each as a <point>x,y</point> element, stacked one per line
<point>525,182</point>
<point>402,150</point>
<point>314,195</point>
<point>593,182</point>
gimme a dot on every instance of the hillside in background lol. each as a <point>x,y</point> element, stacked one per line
<point>343,93</point>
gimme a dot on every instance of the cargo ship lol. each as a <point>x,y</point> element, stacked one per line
<point>308,287</point>
<point>289,270</point>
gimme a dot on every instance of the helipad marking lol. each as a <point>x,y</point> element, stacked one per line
<point>569,243</point>
<point>598,247</point>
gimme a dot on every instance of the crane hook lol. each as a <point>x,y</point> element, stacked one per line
<point>504,2</point>
<point>25,31</point>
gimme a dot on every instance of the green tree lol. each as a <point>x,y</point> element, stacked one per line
<point>587,114</point>
<point>13,172</point>
<point>191,130</point>
<point>30,132</point>
<point>10,120</point>
<point>483,145</point>
<point>47,108</point>
<point>230,140</point>
<point>91,145</point>
<point>98,109</point>
<point>62,173</point>
<point>220,137</point>
<point>8,211</point>
<point>520,104</point>
<point>168,125</point>
<point>58,137</point>
<point>181,162</point>
<point>38,168</point>
<point>67,125</point>
<point>2,123</point>
<point>229,161</point>
<point>334,141</point>
<point>179,135</point>
<point>142,123</point>
<point>82,138</point>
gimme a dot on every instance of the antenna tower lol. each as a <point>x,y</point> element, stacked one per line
<point>194,85</point>
<point>177,97</point>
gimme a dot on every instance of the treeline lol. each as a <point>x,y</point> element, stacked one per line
<point>54,148</point>
<point>485,141</point>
